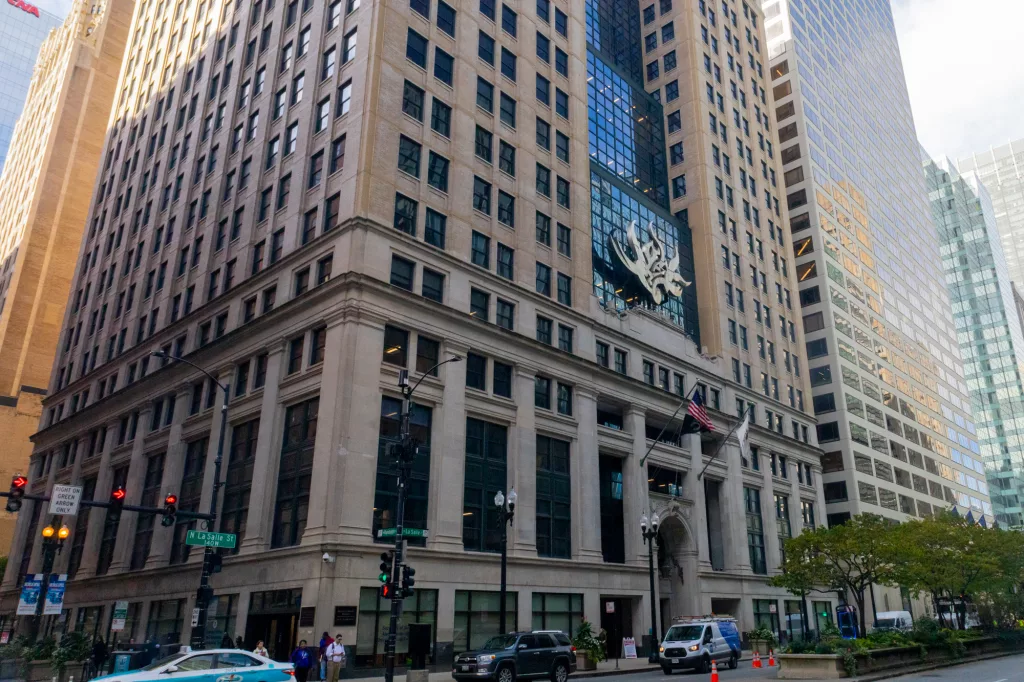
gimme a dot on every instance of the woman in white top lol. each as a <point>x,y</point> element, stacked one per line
<point>261,650</point>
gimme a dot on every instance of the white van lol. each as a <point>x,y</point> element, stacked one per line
<point>695,642</point>
<point>900,621</point>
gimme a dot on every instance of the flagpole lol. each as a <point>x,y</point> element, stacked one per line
<point>722,444</point>
<point>686,399</point>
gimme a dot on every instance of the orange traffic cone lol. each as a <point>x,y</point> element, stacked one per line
<point>757,660</point>
<point>771,658</point>
<point>714,671</point>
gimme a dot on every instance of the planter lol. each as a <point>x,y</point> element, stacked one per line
<point>761,646</point>
<point>42,671</point>
<point>810,667</point>
<point>583,662</point>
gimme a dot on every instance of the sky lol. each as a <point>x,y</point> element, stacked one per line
<point>964,72</point>
<point>58,7</point>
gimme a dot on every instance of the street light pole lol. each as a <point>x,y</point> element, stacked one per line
<point>204,593</point>
<point>406,451</point>
<point>649,534</point>
<point>53,543</point>
<point>505,516</point>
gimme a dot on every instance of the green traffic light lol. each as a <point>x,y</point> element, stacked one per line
<point>383,577</point>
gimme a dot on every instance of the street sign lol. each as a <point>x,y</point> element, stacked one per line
<point>609,607</point>
<point>120,616</point>
<point>195,616</point>
<point>629,647</point>
<point>406,532</point>
<point>64,499</point>
<point>202,538</point>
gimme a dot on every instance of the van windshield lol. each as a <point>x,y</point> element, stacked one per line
<point>885,623</point>
<point>684,633</point>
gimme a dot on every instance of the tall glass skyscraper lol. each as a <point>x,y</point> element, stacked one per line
<point>894,416</point>
<point>22,32</point>
<point>988,328</point>
<point>1001,169</point>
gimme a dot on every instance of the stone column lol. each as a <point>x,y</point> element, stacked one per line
<point>734,526</point>
<point>323,503</point>
<point>635,497</point>
<point>358,424</point>
<point>268,451</point>
<point>174,466</point>
<point>448,455</point>
<point>693,490</point>
<point>820,518</point>
<point>796,521</point>
<point>97,517</point>
<point>586,471</point>
<point>523,465</point>
<point>772,551</point>
<point>133,488</point>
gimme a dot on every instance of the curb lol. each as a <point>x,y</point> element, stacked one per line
<point>646,669</point>
<point>933,666</point>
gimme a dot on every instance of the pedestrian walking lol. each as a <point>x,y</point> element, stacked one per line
<point>303,660</point>
<point>239,644</point>
<point>325,641</point>
<point>336,658</point>
<point>226,643</point>
<point>261,650</point>
<point>99,655</point>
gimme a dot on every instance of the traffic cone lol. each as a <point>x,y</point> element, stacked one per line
<point>757,660</point>
<point>771,658</point>
<point>714,671</point>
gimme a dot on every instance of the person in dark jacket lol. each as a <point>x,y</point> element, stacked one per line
<point>239,644</point>
<point>99,654</point>
<point>303,660</point>
<point>226,643</point>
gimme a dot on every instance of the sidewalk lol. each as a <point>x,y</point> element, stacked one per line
<point>622,666</point>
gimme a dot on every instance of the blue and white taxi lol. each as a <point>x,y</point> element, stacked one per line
<point>209,665</point>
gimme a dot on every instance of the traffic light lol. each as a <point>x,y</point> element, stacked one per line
<point>117,496</point>
<point>408,581</point>
<point>16,492</point>
<point>170,509</point>
<point>385,591</point>
<point>387,562</point>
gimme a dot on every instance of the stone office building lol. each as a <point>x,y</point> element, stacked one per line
<point>229,227</point>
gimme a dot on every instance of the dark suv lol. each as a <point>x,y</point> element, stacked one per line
<point>542,653</point>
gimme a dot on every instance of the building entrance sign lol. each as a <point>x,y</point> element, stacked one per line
<point>657,273</point>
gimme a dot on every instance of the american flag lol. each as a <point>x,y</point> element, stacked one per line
<point>697,411</point>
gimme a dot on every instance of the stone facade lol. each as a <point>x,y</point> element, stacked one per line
<point>273,261</point>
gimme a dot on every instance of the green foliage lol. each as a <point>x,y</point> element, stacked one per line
<point>40,650</point>
<point>763,634</point>
<point>74,648</point>
<point>587,642</point>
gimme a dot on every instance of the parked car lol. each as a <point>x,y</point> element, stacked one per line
<point>696,642</point>
<point>209,665</point>
<point>542,653</point>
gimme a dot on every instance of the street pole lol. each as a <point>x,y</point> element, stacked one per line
<point>649,535</point>
<point>406,451</point>
<point>505,516</point>
<point>53,542</point>
<point>203,594</point>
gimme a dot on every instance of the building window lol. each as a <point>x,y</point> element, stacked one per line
<point>396,346</point>
<point>238,483</point>
<point>755,530</point>
<point>476,616</point>
<point>144,524</point>
<point>542,392</point>
<point>502,379</point>
<point>294,474</point>
<point>480,304</point>
<point>402,272</point>
<point>110,522</point>
<point>553,498</point>
<point>504,315</point>
<point>433,285</point>
<point>486,451</point>
<point>386,495</point>
<point>565,399</point>
<point>428,352</point>
<point>544,326</point>
<point>189,496</point>
<point>476,371</point>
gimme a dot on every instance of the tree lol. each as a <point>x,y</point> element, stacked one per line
<point>849,557</point>
<point>952,559</point>
<point>798,578</point>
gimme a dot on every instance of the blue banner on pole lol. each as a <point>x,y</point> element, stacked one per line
<point>30,590</point>
<point>55,595</point>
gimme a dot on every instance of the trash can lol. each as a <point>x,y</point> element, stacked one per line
<point>125,661</point>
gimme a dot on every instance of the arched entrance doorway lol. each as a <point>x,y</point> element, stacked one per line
<point>678,589</point>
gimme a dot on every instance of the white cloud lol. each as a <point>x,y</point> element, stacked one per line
<point>963,67</point>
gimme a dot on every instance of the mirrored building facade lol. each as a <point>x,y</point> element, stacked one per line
<point>988,329</point>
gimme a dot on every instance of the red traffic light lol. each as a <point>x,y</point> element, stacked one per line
<point>118,494</point>
<point>385,591</point>
<point>171,499</point>
<point>19,482</point>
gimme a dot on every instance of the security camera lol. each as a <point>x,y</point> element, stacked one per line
<point>328,558</point>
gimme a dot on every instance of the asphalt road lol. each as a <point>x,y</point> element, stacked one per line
<point>1006,669</point>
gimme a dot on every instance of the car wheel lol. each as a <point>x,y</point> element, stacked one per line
<point>705,664</point>
<point>733,662</point>
<point>560,673</point>
<point>506,674</point>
